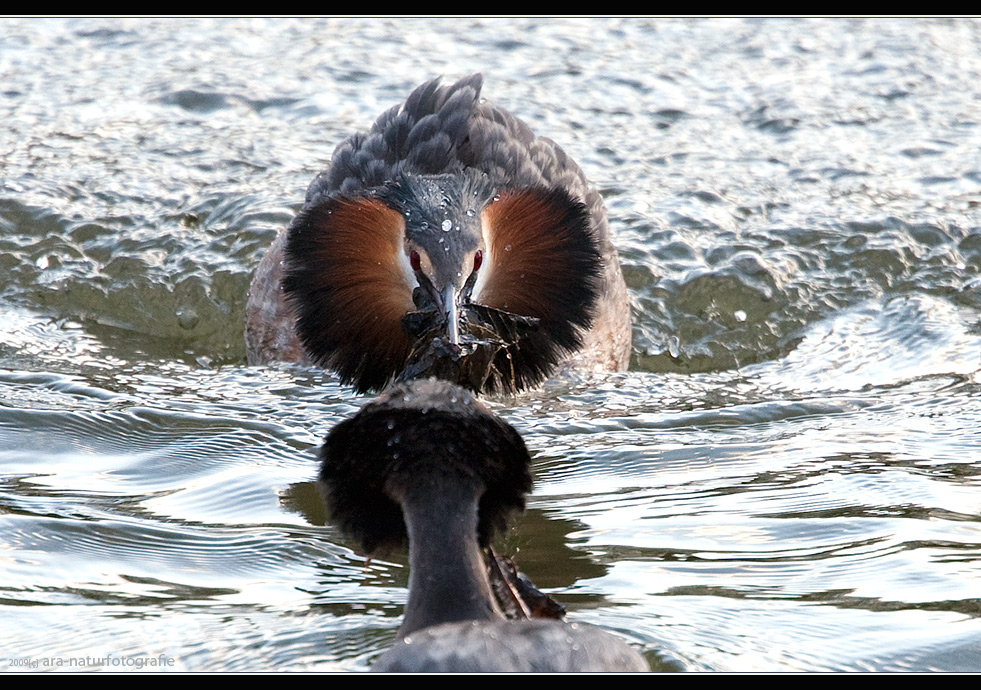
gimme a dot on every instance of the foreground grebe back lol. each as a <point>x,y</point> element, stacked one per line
<point>446,205</point>
<point>429,461</point>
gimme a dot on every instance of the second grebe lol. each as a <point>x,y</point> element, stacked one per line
<point>448,220</point>
<point>429,462</point>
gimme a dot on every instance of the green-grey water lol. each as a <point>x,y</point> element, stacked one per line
<point>787,479</point>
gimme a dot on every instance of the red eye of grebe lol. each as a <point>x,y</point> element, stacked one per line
<point>478,259</point>
<point>415,261</point>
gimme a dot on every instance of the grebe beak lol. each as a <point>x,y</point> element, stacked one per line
<point>452,311</point>
<point>440,294</point>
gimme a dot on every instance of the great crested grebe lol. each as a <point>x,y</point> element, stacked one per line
<point>427,461</point>
<point>448,231</point>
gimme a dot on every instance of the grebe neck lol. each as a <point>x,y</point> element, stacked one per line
<point>447,576</point>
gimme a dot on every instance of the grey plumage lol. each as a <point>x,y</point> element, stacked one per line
<point>444,129</point>
<point>527,646</point>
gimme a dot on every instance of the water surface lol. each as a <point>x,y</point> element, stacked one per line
<point>787,479</point>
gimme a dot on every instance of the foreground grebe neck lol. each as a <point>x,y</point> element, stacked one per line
<point>405,468</point>
<point>429,461</point>
<point>448,219</point>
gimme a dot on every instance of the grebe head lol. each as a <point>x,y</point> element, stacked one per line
<point>427,461</point>
<point>421,441</point>
<point>442,238</point>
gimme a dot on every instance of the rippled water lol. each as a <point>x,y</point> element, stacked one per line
<point>787,479</point>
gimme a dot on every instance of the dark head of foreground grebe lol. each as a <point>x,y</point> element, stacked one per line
<point>429,462</point>
<point>447,240</point>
